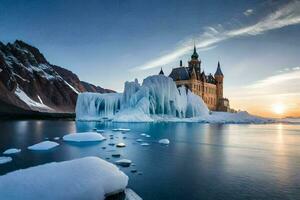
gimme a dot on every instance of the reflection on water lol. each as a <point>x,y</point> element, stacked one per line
<point>203,161</point>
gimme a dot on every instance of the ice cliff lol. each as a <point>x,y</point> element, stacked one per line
<point>157,97</point>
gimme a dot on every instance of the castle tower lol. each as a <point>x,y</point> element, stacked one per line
<point>195,63</point>
<point>219,82</point>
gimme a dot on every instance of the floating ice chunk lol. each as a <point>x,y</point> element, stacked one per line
<point>147,136</point>
<point>121,144</point>
<point>139,140</point>
<point>164,141</point>
<point>121,129</point>
<point>11,151</point>
<point>5,159</point>
<point>145,144</point>
<point>84,178</point>
<point>84,137</point>
<point>124,162</point>
<point>56,138</point>
<point>116,155</point>
<point>143,134</point>
<point>42,146</point>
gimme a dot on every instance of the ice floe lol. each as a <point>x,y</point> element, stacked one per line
<point>164,141</point>
<point>121,144</point>
<point>11,151</point>
<point>42,146</point>
<point>5,159</point>
<point>84,137</point>
<point>124,162</point>
<point>145,144</point>
<point>121,129</point>
<point>84,178</point>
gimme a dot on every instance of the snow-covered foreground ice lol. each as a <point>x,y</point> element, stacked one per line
<point>84,137</point>
<point>85,178</point>
<point>157,99</point>
<point>43,146</point>
<point>5,159</point>
<point>11,151</point>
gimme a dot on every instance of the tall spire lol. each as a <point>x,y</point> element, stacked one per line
<point>219,71</point>
<point>195,54</point>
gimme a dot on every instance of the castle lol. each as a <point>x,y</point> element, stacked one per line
<point>208,87</point>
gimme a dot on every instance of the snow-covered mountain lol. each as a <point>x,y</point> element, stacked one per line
<point>28,82</point>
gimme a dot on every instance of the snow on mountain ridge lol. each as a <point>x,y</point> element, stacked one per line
<point>27,79</point>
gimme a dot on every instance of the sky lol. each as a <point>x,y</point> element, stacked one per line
<point>110,42</point>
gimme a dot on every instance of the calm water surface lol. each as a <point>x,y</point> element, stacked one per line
<point>203,161</point>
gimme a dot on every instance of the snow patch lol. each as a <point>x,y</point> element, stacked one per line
<point>84,178</point>
<point>76,91</point>
<point>31,103</point>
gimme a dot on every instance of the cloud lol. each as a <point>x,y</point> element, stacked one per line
<point>248,12</point>
<point>285,16</point>
<point>286,83</point>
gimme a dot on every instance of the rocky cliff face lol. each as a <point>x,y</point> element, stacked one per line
<point>29,82</point>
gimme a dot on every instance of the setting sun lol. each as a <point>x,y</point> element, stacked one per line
<point>278,108</point>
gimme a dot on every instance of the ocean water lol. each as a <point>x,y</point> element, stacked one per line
<point>203,161</point>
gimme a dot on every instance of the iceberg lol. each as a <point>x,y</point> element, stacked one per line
<point>158,96</point>
<point>84,137</point>
<point>84,178</point>
<point>156,99</point>
<point>43,146</point>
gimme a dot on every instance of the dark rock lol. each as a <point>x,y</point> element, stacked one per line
<point>25,70</point>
